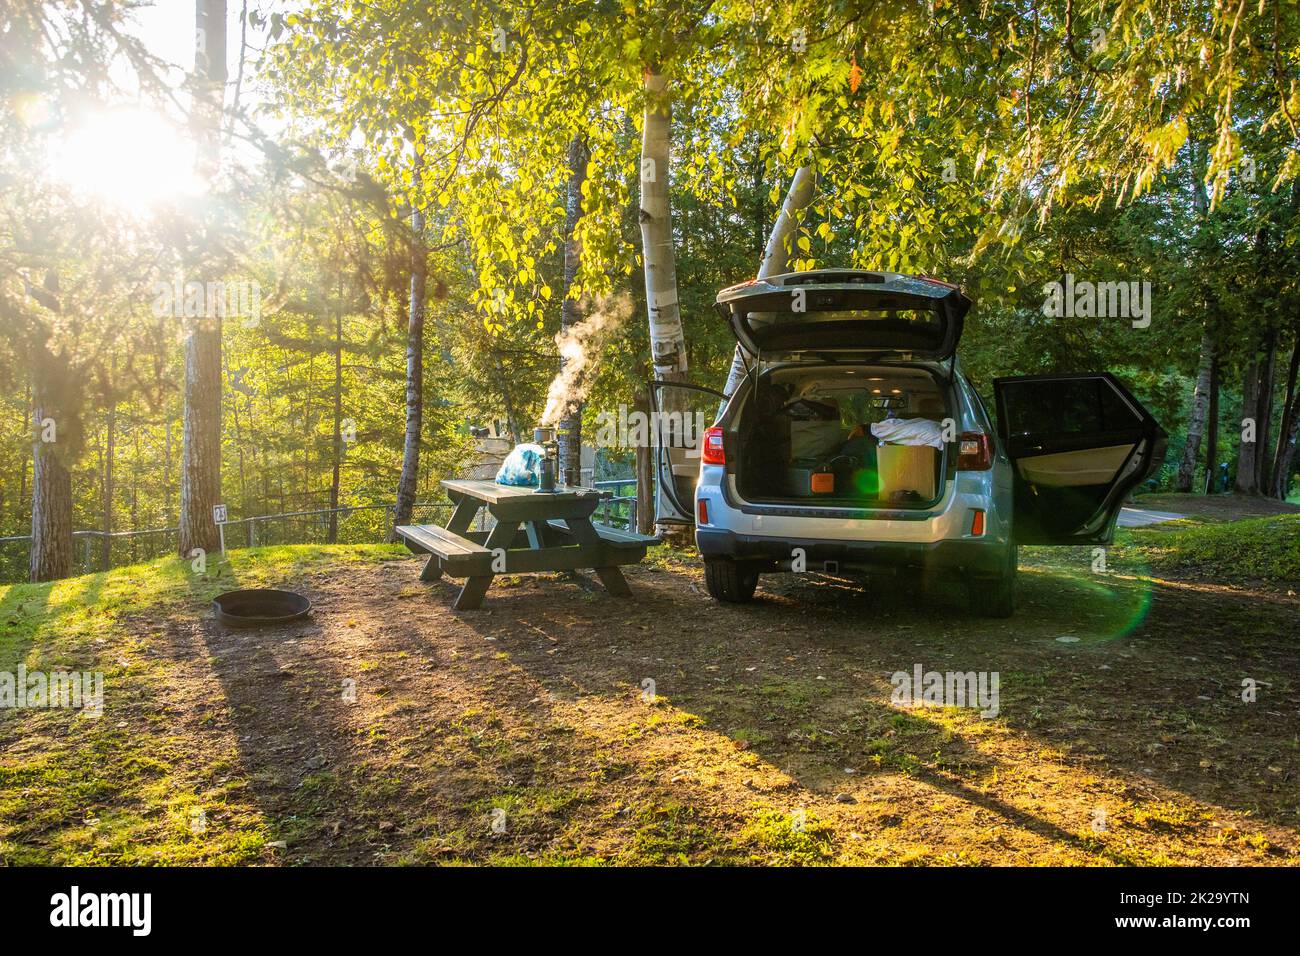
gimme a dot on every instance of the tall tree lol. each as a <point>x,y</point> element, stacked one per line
<point>1200,408</point>
<point>776,254</point>
<point>336,447</point>
<point>406,485</point>
<point>201,440</point>
<point>667,342</point>
<point>53,404</point>
<point>1289,427</point>
<point>570,310</point>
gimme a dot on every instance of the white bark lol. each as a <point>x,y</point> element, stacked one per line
<point>776,257</point>
<point>667,342</point>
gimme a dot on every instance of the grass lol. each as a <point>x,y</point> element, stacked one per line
<point>771,738</point>
<point>126,788</point>
<point>1261,549</point>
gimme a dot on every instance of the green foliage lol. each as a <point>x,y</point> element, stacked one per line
<point>1000,145</point>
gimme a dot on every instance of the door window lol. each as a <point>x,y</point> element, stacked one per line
<point>1067,407</point>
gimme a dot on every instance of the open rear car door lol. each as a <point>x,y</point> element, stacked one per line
<point>679,415</point>
<point>1079,444</point>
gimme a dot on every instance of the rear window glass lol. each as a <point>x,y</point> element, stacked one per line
<point>869,329</point>
<point>922,317</point>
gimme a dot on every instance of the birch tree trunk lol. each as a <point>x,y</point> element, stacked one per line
<point>201,442</point>
<point>667,342</point>
<point>570,431</point>
<point>406,485</point>
<point>776,256</point>
<point>1197,416</point>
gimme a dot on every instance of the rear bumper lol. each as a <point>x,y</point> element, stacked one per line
<point>974,556</point>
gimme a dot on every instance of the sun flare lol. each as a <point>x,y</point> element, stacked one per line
<point>129,157</point>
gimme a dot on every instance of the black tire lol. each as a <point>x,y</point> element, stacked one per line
<point>729,580</point>
<point>996,596</point>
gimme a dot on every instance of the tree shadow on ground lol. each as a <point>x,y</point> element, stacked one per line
<point>1121,697</point>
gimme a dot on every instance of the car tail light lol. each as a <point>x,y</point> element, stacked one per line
<point>702,511</point>
<point>823,483</point>
<point>977,523</point>
<point>713,453</point>
<point>974,452</point>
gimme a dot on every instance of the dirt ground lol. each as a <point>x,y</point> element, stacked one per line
<point>559,725</point>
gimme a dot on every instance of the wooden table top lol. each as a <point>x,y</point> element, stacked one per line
<point>492,493</point>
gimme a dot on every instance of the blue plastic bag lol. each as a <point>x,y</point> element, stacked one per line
<point>521,466</point>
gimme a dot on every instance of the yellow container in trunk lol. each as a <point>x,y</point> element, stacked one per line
<point>907,468</point>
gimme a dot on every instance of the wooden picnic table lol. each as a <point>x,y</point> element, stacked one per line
<point>534,531</point>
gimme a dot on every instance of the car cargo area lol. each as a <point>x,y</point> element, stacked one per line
<point>860,436</point>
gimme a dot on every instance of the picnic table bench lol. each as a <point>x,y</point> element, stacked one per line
<point>534,531</point>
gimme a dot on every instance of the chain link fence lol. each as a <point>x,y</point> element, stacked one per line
<point>98,551</point>
<point>363,524</point>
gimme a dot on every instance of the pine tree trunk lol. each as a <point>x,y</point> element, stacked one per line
<point>201,441</point>
<point>51,552</point>
<point>167,473</point>
<point>1279,483</point>
<point>776,256</point>
<point>201,438</point>
<point>1247,482</point>
<point>338,425</point>
<point>1212,431</point>
<point>406,486</point>
<point>570,431</point>
<point>1197,416</point>
<point>507,399</point>
<point>1264,412</point>
<point>110,449</point>
<point>1286,460</point>
<point>645,516</point>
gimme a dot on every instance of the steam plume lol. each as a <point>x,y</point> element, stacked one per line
<point>579,347</point>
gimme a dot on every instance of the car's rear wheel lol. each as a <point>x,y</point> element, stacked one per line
<point>729,580</point>
<point>996,596</point>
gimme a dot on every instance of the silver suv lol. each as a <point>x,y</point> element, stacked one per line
<point>856,443</point>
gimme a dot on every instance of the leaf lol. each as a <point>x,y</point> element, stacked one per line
<point>855,76</point>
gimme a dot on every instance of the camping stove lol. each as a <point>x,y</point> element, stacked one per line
<point>549,466</point>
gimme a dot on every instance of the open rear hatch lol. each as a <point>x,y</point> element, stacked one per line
<point>845,315</point>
